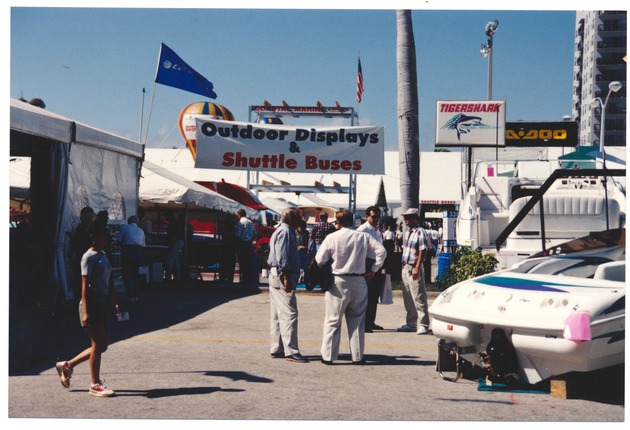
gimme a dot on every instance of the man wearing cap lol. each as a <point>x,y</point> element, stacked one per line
<point>414,292</point>
<point>348,249</point>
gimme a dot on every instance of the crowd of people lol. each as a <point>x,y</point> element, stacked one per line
<point>358,262</point>
<point>357,258</point>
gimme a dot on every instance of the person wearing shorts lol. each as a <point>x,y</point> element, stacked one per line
<point>97,295</point>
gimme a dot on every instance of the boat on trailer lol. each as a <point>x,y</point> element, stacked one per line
<point>559,311</point>
<point>553,312</point>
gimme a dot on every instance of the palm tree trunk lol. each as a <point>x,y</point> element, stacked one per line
<point>408,132</point>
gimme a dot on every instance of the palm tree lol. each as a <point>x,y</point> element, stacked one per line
<point>408,140</point>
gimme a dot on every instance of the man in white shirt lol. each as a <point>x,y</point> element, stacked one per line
<point>132,241</point>
<point>347,296</point>
<point>371,227</point>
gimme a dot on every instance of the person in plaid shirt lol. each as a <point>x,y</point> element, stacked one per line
<point>413,288</point>
<point>319,232</point>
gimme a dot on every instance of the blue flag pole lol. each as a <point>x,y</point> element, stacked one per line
<point>175,72</point>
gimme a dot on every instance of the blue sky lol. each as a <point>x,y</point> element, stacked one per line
<point>91,64</point>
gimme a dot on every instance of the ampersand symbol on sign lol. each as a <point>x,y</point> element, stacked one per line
<point>293,147</point>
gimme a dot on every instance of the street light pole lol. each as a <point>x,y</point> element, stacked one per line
<point>613,87</point>
<point>486,51</point>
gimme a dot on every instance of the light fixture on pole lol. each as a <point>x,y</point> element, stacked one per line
<point>486,51</point>
<point>613,87</point>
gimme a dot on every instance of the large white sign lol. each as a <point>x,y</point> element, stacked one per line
<point>274,147</point>
<point>470,123</point>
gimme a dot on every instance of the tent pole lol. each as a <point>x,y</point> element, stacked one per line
<point>150,112</point>
<point>185,256</point>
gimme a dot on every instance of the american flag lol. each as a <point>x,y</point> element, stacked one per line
<point>359,82</point>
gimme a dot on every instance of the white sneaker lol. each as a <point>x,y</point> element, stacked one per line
<point>99,390</point>
<point>64,373</point>
<point>422,330</point>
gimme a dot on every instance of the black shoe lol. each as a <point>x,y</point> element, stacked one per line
<point>298,358</point>
<point>377,327</point>
<point>327,362</point>
<point>277,355</point>
<point>369,330</point>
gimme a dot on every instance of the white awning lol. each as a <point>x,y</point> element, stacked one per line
<point>160,186</point>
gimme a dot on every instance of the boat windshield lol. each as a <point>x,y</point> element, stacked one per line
<point>595,240</point>
<point>575,266</point>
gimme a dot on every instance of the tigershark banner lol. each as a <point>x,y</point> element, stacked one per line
<point>470,123</point>
<point>275,147</point>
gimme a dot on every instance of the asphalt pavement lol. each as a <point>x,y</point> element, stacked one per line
<point>200,352</point>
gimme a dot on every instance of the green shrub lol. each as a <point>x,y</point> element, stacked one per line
<point>466,263</point>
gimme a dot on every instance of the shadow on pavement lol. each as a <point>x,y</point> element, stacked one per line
<point>238,376</point>
<point>604,385</point>
<point>39,338</point>
<point>378,360</point>
<point>172,392</point>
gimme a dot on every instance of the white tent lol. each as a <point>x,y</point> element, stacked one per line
<point>277,204</point>
<point>160,186</point>
<point>19,185</point>
<point>72,165</point>
<point>20,177</point>
<point>440,179</point>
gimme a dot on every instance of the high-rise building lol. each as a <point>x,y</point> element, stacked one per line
<point>600,58</point>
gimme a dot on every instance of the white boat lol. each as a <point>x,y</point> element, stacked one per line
<point>548,315</point>
<point>574,205</point>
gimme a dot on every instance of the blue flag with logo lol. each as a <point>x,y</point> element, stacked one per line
<point>174,72</point>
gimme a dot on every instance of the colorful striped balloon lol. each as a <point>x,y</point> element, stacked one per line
<point>187,120</point>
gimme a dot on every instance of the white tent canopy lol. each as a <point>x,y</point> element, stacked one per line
<point>277,204</point>
<point>159,185</point>
<point>20,177</point>
<point>72,165</point>
<point>38,122</point>
<point>440,178</point>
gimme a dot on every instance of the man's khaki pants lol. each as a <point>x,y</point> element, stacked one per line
<point>284,317</point>
<point>346,297</point>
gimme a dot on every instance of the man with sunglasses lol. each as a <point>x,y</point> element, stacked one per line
<point>371,227</point>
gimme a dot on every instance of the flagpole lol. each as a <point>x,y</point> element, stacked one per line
<point>359,78</point>
<point>146,136</point>
<point>142,114</point>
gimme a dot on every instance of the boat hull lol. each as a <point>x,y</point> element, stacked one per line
<point>554,324</point>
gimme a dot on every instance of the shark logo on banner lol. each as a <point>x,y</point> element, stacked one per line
<point>174,72</point>
<point>463,124</point>
<point>470,123</point>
